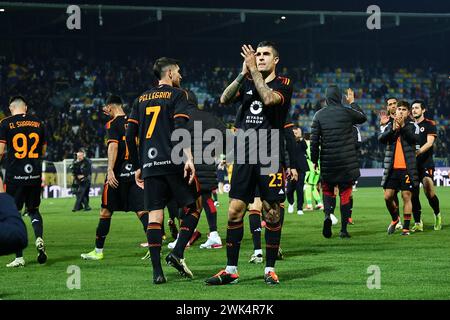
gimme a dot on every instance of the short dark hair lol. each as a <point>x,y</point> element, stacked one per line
<point>17,98</point>
<point>389,98</point>
<point>421,102</point>
<point>162,63</point>
<point>113,99</point>
<point>404,103</point>
<point>269,44</point>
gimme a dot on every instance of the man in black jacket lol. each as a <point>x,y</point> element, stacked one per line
<point>332,141</point>
<point>400,170</point>
<point>82,170</point>
<point>301,165</point>
<point>13,233</point>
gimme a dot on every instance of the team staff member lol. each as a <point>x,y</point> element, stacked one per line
<point>332,142</point>
<point>82,170</point>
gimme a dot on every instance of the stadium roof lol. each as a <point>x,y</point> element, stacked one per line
<point>308,31</point>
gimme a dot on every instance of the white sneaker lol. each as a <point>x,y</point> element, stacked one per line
<point>40,247</point>
<point>213,242</point>
<point>172,244</point>
<point>308,208</point>
<point>216,204</point>
<point>319,206</point>
<point>291,208</point>
<point>17,262</point>
<point>300,212</point>
<point>256,259</point>
<point>334,219</point>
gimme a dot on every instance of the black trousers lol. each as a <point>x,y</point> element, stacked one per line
<point>296,186</point>
<point>82,201</point>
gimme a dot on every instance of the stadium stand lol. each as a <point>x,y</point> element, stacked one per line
<point>69,95</point>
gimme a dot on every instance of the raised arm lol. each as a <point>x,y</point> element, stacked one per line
<point>231,92</point>
<point>357,114</point>
<point>268,96</point>
<point>386,133</point>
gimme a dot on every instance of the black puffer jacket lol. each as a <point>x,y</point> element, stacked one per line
<point>206,173</point>
<point>332,138</point>
<point>409,136</point>
<point>13,233</point>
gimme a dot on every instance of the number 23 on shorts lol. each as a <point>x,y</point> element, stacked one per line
<point>276,180</point>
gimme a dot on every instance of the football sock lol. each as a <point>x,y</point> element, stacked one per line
<point>235,233</point>
<point>416,206</point>
<point>346,206</point>
<point>36,222</point>
<point>102,231</point>
<point>254,218</point>
<point>308,195</point>
<point>272,236</point>
<point>187,228</point>
<point>345,214</point>
<point>406,220</point>
<point>154,238</point>
<point>434,203</point>
<point>211,213</point>
<point>316,195</point>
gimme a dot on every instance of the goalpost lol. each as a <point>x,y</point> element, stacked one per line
<point>57,177</point>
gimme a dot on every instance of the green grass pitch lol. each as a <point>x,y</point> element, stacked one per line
<point>414,267</point>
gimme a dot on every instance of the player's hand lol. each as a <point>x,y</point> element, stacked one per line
<point>244,68</point>
<point>1,186</point>
<point>400,121</point>
<point>350,96</point>
<point>138,179</point>
<point>111,179</point>
<point>294,175</point>
<point>395,124</point>
<point>189,170</point>
<point>384,118</point>
<point>248,53</point>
